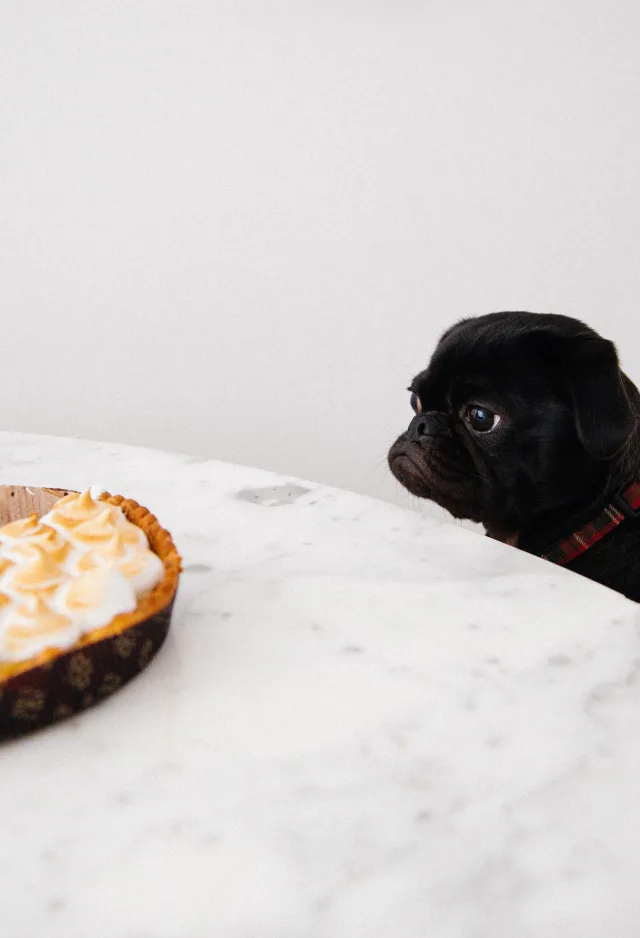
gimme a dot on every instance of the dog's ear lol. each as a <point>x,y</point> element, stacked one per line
<point>603,414</point>
<point>588,366</point>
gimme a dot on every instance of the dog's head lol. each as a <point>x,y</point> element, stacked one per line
<point>516,414</point>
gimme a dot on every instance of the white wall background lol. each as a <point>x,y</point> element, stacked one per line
<point>237,229</point>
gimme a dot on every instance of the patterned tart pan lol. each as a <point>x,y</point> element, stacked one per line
<point>54,685</point>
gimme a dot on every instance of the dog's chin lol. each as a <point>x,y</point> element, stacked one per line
<point>411,474</point>
<point>412,469</point>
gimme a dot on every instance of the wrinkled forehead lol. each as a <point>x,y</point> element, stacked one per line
<point>467,365</point>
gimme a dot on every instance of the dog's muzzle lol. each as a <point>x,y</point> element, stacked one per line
<point>430,423</point>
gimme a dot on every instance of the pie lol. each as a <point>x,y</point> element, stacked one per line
<point>86,592</point>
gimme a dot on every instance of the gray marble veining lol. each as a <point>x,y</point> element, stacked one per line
<point>364,724</point>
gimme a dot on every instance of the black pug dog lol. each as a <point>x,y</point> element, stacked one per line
<point>525,423</point>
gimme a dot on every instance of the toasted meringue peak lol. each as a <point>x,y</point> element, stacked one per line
<point>99,529</point>
<point>50,540</point>
<point>31,531</point>
<point>115,548</point>
<point>77,505</point>
<point>53,544</point>
<point>74,510</point>
<point>33,627</point>
<point>143,569</point>
<point>132,535</point>
<point>110,551</point>
<point>23,527</point>
<point>87,591</point>
<point>39,571</point>
<point>89,561</point>
<point>96,596</point>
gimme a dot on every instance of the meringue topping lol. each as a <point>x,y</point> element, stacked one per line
<point>48,540</point>
<point>38,571</point>
<point>143,570</point>
<point>96,530</point>
<point>73,510</point>
<point>34,626</point>
<point>23,527</point>
<point>112,550</point>
<point>96,597</point>
<point>27,531</point>
<point>69,572</point>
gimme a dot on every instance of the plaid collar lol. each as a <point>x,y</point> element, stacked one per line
<point>624,504</point>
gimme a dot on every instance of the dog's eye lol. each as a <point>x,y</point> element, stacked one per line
<point>481,419</point>
<point>415,402</point>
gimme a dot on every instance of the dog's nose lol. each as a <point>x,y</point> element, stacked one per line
<point>430,423</point>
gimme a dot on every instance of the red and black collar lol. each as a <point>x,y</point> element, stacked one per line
<point>625,504</point>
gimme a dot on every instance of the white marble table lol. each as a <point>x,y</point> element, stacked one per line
<point>364,724</point>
